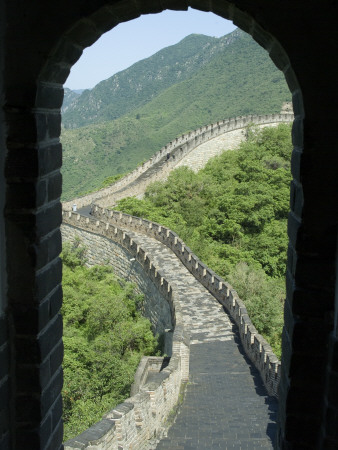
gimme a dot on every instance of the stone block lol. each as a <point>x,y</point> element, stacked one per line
<point>48,249</point>
<point>48,219</point>
<point>48,279</point>
<point>56,357</point>
<point>263,38</point>
<point>310,336</point>
<point>4,396</point>
<point>84,33</point>
<point>67,51</point>
<point>52,392</point>
<point>34,162</point>
<point>27,195</point>
<point>49,96</point>
<point>55,301</point>
<point>50,158</point>
<point>296,198</point>
<point>292,82</point>
<point>54,125</point>
<point>21,128</point>
<point>56,438</point>
<point>301,430</point>
<point>54,186</point>
<point>34,349</point>
<point>3,329</point>
<point>294,227</point>
<point>5,440</point>
<point>30,319</point>
<point>305,302</point>
<point>55,71</point>
<point>279,56</point>
<point>298,142</point>
<point>56,412</point>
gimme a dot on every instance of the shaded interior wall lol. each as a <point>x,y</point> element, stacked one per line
<point>37,57</point>
<point>4,343</point>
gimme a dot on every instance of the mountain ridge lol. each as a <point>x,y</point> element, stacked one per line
<point>238,80</point>
<point>142,81</point>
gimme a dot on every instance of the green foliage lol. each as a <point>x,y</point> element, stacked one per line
<point>104,339</point>
<point>111,180</point>
<point>126,119</point>
<point>232,211</point>
<point>264,299</point>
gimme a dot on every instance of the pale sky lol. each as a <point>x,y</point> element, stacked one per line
<point>132,41</point>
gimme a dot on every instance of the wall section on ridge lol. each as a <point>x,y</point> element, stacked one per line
<point>174,154</point>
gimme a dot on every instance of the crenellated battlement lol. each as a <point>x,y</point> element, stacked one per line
<point>110,236</point>
<point>142,415</point>
<point>170,156</point>
<point>256,347</point>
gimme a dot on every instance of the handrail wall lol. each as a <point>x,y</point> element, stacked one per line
<point>132,423</point>
<point>169,155</point>
<point>255,346</point>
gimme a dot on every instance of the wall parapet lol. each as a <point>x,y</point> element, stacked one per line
<point>169,155</point>
<point>255,346</point>
<point>139,418</point>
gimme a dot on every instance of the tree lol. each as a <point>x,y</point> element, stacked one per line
<point>105,337</point>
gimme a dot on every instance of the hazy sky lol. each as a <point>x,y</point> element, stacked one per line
<point>137,39</point>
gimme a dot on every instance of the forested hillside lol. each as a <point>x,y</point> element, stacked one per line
<point>69,99</point>
<point>196,82</point>
<point>104,339</point>
<point>143,81</point>
<point>233,215</point>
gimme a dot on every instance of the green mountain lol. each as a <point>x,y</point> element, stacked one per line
<point>237,78</point>
<point>144,80</point>
<point>69,98</point>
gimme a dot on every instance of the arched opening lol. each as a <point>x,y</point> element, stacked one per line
<point>188,243</point>
<point>32,212</point>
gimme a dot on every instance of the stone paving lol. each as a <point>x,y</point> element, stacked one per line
<point>199,156</point>
<point>226,405</point>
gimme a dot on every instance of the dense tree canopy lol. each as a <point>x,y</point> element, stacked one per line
<point>233,215</point>
<point>104,339</point>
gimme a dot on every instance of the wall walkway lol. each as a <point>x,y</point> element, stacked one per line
<point>231,400</point>
<point>226,401</point>
<point>226,404</point>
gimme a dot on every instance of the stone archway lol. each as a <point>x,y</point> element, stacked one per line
<point>40,43</point>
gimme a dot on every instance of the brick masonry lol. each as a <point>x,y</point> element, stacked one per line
<point>46,38</point>
<point>133,423</point>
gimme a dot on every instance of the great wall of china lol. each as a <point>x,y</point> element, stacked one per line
<point>192,149</point>
<point>184,299</point>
